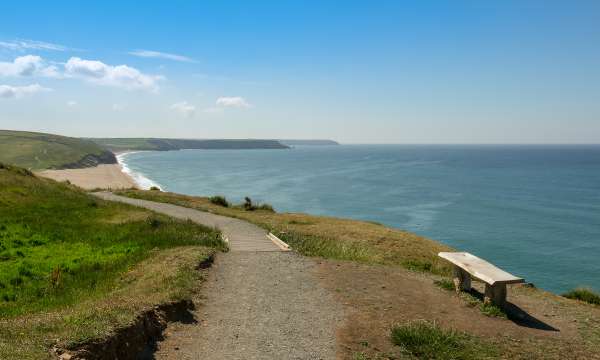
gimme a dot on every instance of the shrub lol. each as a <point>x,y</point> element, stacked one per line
<point>248,205</point>
<point>154,188</point>
<point>153,222</point>
<point>583,294</point>
<point>266,207</point>
<point>428,341</point>
<point>219,200</point>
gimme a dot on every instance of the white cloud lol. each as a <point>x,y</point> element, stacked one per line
<point>9,92</point>
<point>161,55</point>
<point>119,76</point>
<point>233,101</point>
<point>71,103</point>
<point>28,65</point>
<point>24,45</point>
<point>184,108</point>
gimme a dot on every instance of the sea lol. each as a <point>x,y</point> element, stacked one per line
<point>533,210</point>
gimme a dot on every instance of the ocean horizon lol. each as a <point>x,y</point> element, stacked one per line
<point>533,210</point>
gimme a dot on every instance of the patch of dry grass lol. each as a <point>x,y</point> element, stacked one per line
<point>168,275</point>
<point>327,236</point>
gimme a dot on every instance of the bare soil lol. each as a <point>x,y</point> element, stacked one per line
<point>378,297</point>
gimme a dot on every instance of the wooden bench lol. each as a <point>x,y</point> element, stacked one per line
<point>467,265</point>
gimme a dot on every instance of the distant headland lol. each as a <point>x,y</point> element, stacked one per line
<point>41,151</point>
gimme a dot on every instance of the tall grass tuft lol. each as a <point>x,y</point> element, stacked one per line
<point>426,340</point>
<point>583,294</point>
<point>445,284</point>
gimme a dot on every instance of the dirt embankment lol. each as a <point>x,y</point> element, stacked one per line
<point>139,339</point>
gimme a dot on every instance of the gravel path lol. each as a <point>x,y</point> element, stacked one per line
<point>258,302</point>
<point>242,235</point>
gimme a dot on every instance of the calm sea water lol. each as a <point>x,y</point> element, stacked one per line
<point>532,210</point>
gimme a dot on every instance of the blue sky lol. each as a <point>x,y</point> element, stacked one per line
<point>354,71</point>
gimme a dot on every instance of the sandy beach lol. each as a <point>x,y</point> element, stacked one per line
<point>106,176</point>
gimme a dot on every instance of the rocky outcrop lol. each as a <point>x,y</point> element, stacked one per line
<point>91,160</point>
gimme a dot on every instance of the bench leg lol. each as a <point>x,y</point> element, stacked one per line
<point>495,294</point>
<point>462,280</point>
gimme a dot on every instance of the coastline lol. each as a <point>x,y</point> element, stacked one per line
<point>141,181</point>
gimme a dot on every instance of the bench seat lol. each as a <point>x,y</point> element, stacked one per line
<point>468,265</point>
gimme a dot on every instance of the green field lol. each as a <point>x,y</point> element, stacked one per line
<point>63,249</point>
<point>38,151</point>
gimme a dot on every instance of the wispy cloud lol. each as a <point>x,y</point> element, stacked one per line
<point>184,108</point>
<point>161,55</point>
<point>122,76</point>
<point>72,103</point>
<point>28,65</point>
<point>24,45</point>
<point>15,92</point>
<point>232,101</point>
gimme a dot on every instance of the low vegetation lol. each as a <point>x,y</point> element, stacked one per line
<point>426,340</point>
<point>219,200</point>
<point>328,237</point>
<point>445,284</point>
<point>62,249</point>
<point>166,276</point>
<point>583,294</point>
<point>249,205</point>
<point>45,151</point>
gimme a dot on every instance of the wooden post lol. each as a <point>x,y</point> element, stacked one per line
<point>462,280</point>
<point>495,294</point>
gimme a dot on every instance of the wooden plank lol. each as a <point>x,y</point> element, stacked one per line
<point>479,268</point>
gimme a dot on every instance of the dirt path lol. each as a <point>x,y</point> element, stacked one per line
<point>242,235</point>
<point>258,302</point>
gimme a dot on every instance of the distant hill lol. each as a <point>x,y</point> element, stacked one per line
<point>123,144</point>
<point>308,142</point>
<point>37,151</point>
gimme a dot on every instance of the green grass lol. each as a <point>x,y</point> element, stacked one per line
<point>426,340</point>
<point>165,276</point>
<point>583,294</point>
<point>59,245</point>
<point>43,151</point>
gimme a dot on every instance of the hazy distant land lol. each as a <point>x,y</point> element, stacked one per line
<point>40,151</point>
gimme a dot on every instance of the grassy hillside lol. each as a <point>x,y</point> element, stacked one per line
<point>324,236</point>
<point>45,151</point>
<point>123,144</point>
<point>399,314</point>
<point>63,251</point>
